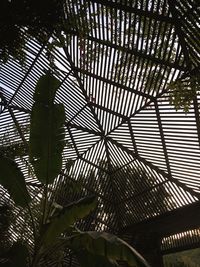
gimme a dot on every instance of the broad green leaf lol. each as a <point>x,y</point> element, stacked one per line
<point>17,255</point>
<point>109,246</point>
<point>66,218</point>
<point>87,259</point>
<point>13,180</point>
<point>47,131</point>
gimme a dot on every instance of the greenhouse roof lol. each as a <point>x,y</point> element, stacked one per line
<point>120,68</point>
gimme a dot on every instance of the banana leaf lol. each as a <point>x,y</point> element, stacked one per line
<point>13,180</point>
<point>46,88</point>
<point>47,131</point>
<point>66,217</point>
<point>108,246</point>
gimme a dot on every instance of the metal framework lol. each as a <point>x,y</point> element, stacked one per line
<point>114,77</point>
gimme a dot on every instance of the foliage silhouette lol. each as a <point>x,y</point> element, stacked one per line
<point>52,225</point>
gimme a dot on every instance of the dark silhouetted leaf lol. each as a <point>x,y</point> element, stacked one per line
<point>13,180</point>
<point>45,90</point>
<point>47,130</point>
<point>67,217</point>
<point>108,246</point>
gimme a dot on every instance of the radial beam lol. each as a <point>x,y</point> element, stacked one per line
<point>162,137</point>
<point>26,74</point>
<point>135,10</point>
<point>76,75</point>
<point>134,52</point>
<point>177,24</point>
<point>110,82</point>
<point>164,174</point>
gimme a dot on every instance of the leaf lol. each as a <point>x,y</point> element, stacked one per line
<point>45,90</point>
<point>17,255</point>
<point>47,131</point>
<point>13,180</point>
<point>108,246</point>
<point>87,259</point>
<point>66,218</point>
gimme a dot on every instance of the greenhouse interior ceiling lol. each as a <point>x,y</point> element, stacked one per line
<point>129,77</point>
